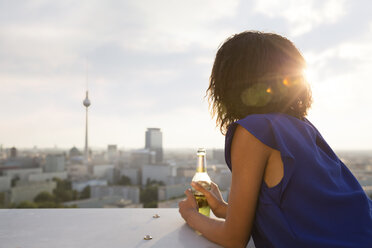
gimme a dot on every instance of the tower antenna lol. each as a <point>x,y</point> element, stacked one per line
<point>86,74</point>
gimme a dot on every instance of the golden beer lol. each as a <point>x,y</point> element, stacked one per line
<point>201,176</point>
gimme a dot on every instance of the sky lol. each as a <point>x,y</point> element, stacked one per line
<point>147,64</point>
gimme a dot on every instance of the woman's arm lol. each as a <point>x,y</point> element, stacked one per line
<point>249,157</point>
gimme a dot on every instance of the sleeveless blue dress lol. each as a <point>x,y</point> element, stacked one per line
<point>318,203</point>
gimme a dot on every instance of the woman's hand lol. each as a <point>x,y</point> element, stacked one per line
<point>188,205</point>
<point>214,198</point>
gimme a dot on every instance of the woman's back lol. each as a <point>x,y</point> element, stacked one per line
<point>318,202</point>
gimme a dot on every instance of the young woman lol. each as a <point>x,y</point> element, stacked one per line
<point>289,189</point>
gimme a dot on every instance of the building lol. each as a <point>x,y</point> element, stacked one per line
<point>20,162</point>
<point>13,152</point>
<point>74,152</point>
<point>5,183</point>
<point>47,176</point>
<point>104,171</point>
<point>21,174</point>
<point>112,153</point>
<point>155,172</point>
<point>188,172</point>
<point>218,156</point>
<point>154,142</point>
<point>222,177</point>
<point>126,192</point>
<point>28,191</point>
<point>79,186</point>
<point>132,173</point>
<point>141,157</point>
<point>168,192</point>
<point>54,163</point>
<point>2,155</point>
<point>77,171</point>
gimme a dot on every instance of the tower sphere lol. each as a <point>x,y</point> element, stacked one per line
<point>86,101</point>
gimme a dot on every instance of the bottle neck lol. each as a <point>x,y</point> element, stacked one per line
<point>202,164</point>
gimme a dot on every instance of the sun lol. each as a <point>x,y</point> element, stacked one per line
<point>310,75</point>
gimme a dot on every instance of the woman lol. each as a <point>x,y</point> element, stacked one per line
<point>289,189</point>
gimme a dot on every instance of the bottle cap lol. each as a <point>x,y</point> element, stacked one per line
<point>201,151</point>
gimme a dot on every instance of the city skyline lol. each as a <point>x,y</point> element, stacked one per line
<point>149,65</point>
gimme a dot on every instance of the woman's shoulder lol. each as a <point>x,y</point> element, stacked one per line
<point>273,127</point>
<point>259,125</point>
<point>268,120</point>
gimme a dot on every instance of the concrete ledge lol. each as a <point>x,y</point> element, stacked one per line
<point>96,228</point>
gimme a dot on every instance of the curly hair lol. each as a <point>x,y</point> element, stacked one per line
<point>256,73</point>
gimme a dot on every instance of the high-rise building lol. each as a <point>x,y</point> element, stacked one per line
<point>154,142</point>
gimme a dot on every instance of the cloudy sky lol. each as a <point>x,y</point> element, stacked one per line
<point>149,61</point>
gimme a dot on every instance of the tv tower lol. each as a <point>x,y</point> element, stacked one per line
<point>86,103</point>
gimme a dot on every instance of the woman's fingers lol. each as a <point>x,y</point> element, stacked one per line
<point>190,198</point>
<point>214,186</point>
<point>201,189</point>
<point>215,190</point>
<point>187,205</point>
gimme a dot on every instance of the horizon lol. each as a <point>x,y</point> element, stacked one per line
<point>165,149</point>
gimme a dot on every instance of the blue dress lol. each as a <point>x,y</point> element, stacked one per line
<point>318,203</point>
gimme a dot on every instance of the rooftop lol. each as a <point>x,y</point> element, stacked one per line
<point>96,228</point>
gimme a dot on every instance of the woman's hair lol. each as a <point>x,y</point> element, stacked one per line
<point>256,73</point>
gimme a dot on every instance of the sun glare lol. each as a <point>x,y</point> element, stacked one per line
<point>310,75</point>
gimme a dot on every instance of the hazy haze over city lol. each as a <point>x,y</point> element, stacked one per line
<point>149,62</point>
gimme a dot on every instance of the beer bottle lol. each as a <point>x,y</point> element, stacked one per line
<point>201,176</point>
